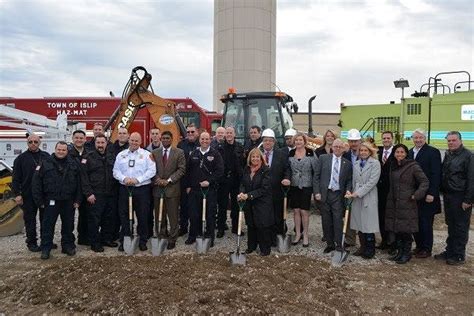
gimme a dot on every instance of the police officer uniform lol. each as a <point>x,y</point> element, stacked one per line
<point>97,179</point>
<point>56,186</point>
<point>82,226</point>
<point>137,164</point>
<point>203,166</point>
<point>23,169</point>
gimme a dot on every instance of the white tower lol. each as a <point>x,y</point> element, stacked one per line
<point>244,46</point>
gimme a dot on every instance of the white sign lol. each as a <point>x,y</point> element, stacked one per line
<point>467,112</point>
<point>166,119</point>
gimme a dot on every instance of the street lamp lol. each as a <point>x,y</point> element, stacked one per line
<point>401,83</point>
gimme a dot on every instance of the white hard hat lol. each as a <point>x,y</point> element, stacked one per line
<point>290,132</point>
<point>353,134</point>
<point>268,133</point>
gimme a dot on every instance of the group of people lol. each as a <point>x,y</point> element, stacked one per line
<point>390,190</point>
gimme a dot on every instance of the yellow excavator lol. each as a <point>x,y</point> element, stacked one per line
<point>138,93</point>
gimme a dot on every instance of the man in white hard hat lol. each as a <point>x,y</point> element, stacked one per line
<point>354,139</point>
<point>280,174</point>
<point>290,144</point>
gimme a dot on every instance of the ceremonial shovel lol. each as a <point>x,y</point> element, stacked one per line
<point>284,241</point>
<point>203,244</point>
<point>158,245</point>
<point>340,256</point>
<point>237,257</point>
<point>130,243</point>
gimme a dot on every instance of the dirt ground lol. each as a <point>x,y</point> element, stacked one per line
<point>181,281</point>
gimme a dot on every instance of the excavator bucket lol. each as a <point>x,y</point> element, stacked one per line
<point>11,218</point>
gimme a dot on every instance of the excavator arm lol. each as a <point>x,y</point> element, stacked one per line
<point>137,94</point>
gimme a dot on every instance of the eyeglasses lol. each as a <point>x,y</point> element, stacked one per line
<point>190,132</point>
<point>33,142</point>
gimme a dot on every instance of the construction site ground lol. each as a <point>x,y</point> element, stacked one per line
<point>180,281</point>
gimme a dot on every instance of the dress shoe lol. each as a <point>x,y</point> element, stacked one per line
<point>120,248</point>
<point>328,249</point>
<point>45,254</point>
<point>441,256</point>
<point>142,247</point>
<point>97,248</point>
<point>296,241</point>
<point>69,251</point>
<point>249,251</point>
<point>111,244</point>
<point>171,245</point>
<point>34,248</point>
<point>455,261</point>
<point>422,254</point>
<point>190,241</point>
<point>220,234</point>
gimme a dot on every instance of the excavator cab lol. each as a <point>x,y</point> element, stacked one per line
<point>264,109</point>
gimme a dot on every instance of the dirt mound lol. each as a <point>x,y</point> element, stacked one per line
<point>183,284</point>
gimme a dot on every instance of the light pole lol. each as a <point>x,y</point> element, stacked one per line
<point>401,83</point>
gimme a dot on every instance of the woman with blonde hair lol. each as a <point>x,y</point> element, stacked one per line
<point>364,217</point>
<point>256,192</point>
<point>326,147</point>
<point>303,164</point>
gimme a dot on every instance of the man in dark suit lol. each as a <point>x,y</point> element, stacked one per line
<point>280,174</point>
<point>354,139</point>
<point>332,179</point>
<point>429,159</point>
<point>383,186</point>
<point>171,167</point>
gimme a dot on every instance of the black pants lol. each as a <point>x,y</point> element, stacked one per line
<point>83,223</point>
<point>382,203</point>
<point>184,210</point>
<point>113,218</point>
<point>458,221</point>
<point>141,205</point>
<point>64,209</point>
<point>332,217</point>
<point>259,236</point>
<point>100,228</point>
<point>279,228</point>
<point>226,188</point>
<point>424,236</point>
<point>30,209</point>
<point>195,198</point>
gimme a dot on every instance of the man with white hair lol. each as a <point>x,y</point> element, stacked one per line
<point>429,159</point>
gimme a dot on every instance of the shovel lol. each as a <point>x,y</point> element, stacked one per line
<point>340,256</point>
<point>284,241</point>
<point>130,243</point>
<point>237,257</point>
<point>158,245</point>
<point>203,244</point>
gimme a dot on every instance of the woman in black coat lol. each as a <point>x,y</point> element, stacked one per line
<point>256,192</point>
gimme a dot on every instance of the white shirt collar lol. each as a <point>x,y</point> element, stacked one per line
<point>206,151</point>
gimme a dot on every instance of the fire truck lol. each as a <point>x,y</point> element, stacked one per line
<point>90,110</point>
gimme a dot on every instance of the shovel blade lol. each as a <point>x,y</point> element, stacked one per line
<point>237,258</point>
<point>130,245</point>
<point>158,246</point>
<point>339,257</point>
<point>283,243</point>
<point>202,245</point>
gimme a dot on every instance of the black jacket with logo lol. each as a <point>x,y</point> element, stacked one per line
<point>208,167</point>
<point>96,174</point>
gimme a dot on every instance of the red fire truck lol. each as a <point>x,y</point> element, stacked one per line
<point>90,110</point>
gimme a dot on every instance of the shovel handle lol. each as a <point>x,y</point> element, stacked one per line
<point>239,226</point>
<point>285,208</point>
<point>204,209</point>
<point>160,211</point>
<point>346,219</point>
<point>130,208</point>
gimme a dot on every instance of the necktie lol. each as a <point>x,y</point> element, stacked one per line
<point>385,156</point>
<point>267,157</point>
<point>362,163</point>
<point>335,175</point>
<point>165,156</point>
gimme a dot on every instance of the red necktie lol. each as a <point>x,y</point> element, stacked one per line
<point>165,157</point>
<point>385,156</point>
<point>267,157</point>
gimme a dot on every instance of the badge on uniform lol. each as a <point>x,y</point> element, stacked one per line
<point>84,161</point>
<point>38,168</point>
<point>52,203</point>
<point>131,163</point>
<point>210,158</point>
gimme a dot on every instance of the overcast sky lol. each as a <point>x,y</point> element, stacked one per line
<point>343,51</point>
